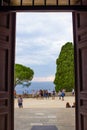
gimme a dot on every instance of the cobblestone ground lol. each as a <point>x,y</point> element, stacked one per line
<point>44,119</point>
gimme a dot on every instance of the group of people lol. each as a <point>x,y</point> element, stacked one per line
<point>46,94</point>
<point>20,103</point>
<point>43,93</point>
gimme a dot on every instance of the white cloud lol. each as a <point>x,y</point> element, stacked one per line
<point>44,79</point>
<point>46,24</point>
<point>49,50</point>
<point>40,36</point>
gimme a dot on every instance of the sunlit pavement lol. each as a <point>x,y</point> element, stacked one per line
<point>44,117</point>
<point>45,103</point>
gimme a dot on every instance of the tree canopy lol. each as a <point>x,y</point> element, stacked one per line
<point>64,77</point>
<point>23,74</point>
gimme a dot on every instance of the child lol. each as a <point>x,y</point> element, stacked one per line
<point>20,102</point>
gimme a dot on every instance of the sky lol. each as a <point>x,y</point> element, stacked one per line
<point>39,38</point>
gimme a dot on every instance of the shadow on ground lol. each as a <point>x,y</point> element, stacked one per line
<point>52,127</point>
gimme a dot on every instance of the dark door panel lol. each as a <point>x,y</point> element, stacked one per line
<point>7,49</point>
<point>80,40</point>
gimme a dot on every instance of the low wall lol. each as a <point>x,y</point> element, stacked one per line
<point>30,95</point>
<point>68,93</point>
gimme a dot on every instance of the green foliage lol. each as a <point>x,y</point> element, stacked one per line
<point>64,77</point>
<point>23,74</point>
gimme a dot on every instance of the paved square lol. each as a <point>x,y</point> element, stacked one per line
<point>42,114</point>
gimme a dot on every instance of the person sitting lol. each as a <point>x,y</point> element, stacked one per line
<point>68,105</point>
<point>73,105</point>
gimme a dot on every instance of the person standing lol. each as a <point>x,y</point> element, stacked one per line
<point>59,94</point>
<point>63,95</point>
<point>73,92</point>
<point>53,95</point>
<point>33,93</point>
<point>20,101</point>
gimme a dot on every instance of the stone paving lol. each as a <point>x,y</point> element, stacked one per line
<point>46,114</point>
<point>44,119</point>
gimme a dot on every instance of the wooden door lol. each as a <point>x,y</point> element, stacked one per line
<point>80,40</point>
<point>7,49</point>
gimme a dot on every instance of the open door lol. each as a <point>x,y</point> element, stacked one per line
<point>7,49</point>
<point>80,40</point>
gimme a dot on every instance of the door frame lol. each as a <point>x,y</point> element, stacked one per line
<point>48,9</point>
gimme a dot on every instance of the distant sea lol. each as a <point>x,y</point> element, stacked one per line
<point>35,86</point>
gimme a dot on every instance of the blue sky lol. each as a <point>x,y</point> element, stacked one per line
<point>39,38</point>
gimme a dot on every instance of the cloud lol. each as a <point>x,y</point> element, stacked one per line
<point>39,54</point>
<point>39,38</point>
<point>44,24</point>
<point>44,79</point>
